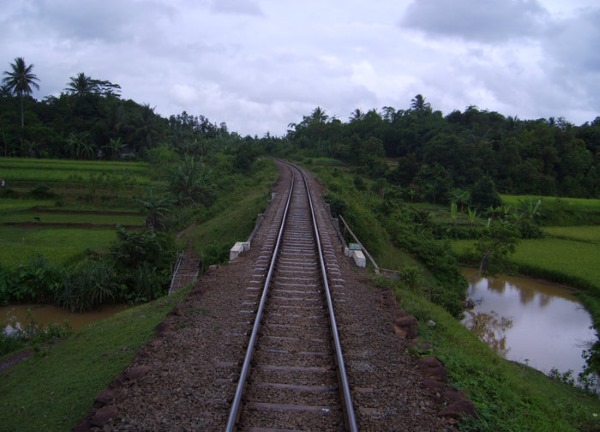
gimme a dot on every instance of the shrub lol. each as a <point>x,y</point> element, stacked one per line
<point>495,247</point>
<point>435,255</point>
<point>143,246</point>
<point>484,194</point>
<point>147,283</point>
<point>42,192</point>
<point>37,281</point>
<point>143,261</point>
<point>88,285</point>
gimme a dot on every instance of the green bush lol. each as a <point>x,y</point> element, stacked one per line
<point>143,283</point>
<point>42,192</point>
<point>412,233</point>
<point>143,261</point>
<point>38,281</point>
<point>143,246</point>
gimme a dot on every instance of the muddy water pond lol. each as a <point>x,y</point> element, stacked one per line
<point>47,314</point>
<point>534,322</point>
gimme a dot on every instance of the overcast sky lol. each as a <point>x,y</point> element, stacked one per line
<point>259,65</point>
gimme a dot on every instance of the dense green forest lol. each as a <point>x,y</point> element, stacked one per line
<point>435,154</point>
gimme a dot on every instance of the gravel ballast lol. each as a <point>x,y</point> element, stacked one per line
<point>184,379</point>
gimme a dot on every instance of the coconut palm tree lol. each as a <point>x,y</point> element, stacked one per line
<point>418,103</point>
<point>357,115</point>
<point>20,80</point>
<point>81,85</point>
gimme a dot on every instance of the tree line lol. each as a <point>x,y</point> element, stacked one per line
<point>430,156</point>
<point>434,155</point>
<point>89,120</point>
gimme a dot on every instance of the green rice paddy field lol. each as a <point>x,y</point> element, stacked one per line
<point>85,202</point>
<point>570,249</point>
<point>578,203</point>
<point>57,170</point>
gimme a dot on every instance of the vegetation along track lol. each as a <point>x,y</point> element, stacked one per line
<point>293,375</point>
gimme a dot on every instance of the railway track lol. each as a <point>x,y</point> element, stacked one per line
<point>293,374</point>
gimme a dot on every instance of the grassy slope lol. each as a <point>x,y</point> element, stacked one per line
<point>236,218</point>
<point>55,389</point>
<point>574,258</point>
<point>589,234</point>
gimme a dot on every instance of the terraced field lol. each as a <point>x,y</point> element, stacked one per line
<point>60,208</point>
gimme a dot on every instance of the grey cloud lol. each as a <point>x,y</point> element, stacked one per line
<point>102,20</point>
<point>89,20</point>
<point>486,21</point>
<point>236,7</point>
<point>574,58</point>
<point>574,43</point>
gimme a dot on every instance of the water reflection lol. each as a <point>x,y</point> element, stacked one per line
<point>530,321</point>
<point>491,328</point>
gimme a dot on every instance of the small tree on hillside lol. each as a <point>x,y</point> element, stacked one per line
<point>494,248</point>
<point>484,194</point>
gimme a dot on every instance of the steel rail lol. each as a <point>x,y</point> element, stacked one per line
<point>350,417</point>
<point>236,403</point>
<point>347,405</point>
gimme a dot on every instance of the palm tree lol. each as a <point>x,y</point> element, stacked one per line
<point>418,104</point>
<point>529,209</point>
<point>81,85</point>
<point>87,149</point>
<point>5,91</point>
<point>318,115</point>
<point>357,115</point>
<point>389,113</point>
<point>20,81</point>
